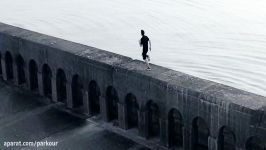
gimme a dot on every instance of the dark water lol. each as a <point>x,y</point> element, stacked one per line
<point>23,118</point>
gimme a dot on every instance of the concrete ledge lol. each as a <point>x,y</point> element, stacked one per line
<point>220,91</point>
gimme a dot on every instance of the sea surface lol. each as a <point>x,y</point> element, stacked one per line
<point>219,40</point>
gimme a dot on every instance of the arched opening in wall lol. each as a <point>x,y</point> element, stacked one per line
<point>200,134</point>
<point>112,103</point>
<point>61,86</point>
<point>94,98</point>
<point>255,143</point>
<point>153,119</point>
<point>175,128</point>
<point>20,69</point>
<point>77,96</point>
<point>47,80</point>
<point>9,66</point>
<point>1,72</point>
<point>132,108</point>
<point>33,73</point>
<point>226,139</point>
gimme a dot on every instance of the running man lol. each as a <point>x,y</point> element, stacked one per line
<point>144,43</point>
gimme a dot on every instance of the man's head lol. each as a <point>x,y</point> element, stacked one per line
<point>142,32</point>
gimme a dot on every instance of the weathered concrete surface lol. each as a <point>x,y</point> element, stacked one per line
<point>214,108</point>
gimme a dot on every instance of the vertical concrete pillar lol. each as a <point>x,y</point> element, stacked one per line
<point>184,142</point>
<point>122,115</point>
<point>40,83</point>
<point>103,108</point>
<point>166,134</point>
<point>143,123</point>
<point>139,123</point>
<point>126,117</point>
<point>4,69</point>
<point>15,72</point>
<point>27,76</point>
<point>54,90</point>
<point>25,85</point>
<point>212,143</point>
<point>164,131</point>
<point>187,138</point>
<point>81,108</point>
<point>69,95</point>
<point>89,103</point>
<point>86,102</point>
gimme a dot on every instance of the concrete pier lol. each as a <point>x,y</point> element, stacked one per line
<point>167,107</point>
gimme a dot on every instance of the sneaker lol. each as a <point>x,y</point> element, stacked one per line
<point>149,69</point>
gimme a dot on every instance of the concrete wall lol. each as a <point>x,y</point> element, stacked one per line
<point>213,112</point>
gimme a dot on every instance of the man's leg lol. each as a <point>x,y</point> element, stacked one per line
<point>147,63</point>
<point>148,57</point>
<point>144,55</point>
<point>145,58</point>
